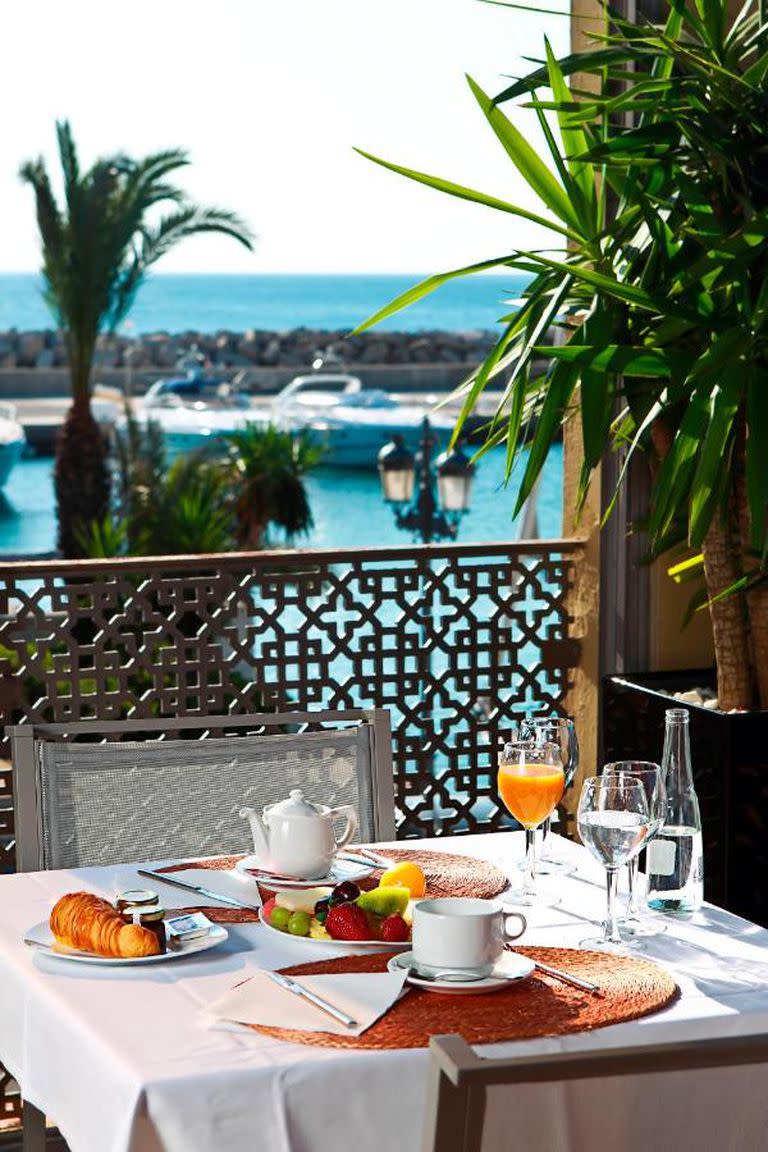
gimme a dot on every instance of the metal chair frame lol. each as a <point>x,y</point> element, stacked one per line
<point>459,1078</point>
<point>374,734</point>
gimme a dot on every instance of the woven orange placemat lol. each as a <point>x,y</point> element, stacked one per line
<point>447,874</point>
<point>540,1006</point>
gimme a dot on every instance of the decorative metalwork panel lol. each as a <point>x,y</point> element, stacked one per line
<point>454,640</point>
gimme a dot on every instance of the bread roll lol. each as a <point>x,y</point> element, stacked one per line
<point>86,922</point>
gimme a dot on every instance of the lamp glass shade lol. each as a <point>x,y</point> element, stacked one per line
<point>397,485</point>
<point>397,471</point>
<point>454,491</point>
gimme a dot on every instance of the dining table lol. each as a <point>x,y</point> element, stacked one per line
<point>130,1059</point>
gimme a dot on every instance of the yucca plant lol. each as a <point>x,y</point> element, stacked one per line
<point>265,469</point>
<point>118,218</point>
<point>657,201</point>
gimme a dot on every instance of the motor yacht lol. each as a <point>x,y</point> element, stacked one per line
<point>350,421</point>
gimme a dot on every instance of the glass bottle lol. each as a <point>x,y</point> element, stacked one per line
<point>675,858</point>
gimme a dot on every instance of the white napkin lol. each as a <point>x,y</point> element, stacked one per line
<point>365,996</point>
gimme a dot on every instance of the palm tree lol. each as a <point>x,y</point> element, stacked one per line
<point>97,248</point>
<point>266,469</point>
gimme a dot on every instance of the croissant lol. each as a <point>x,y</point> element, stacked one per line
<point>86,922</point>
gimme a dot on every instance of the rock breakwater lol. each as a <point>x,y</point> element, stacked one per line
<point>255,348</point>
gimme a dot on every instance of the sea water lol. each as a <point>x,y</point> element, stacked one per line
<point>207,303</point>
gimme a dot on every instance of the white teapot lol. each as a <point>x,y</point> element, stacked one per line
<point>296,837</point>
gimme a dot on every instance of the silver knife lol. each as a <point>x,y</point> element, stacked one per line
<point>300,990</point>
<point>164,878</point>
<point>563,977</point>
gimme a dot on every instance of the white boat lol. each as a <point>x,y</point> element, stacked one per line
<point>194,409</point>
<point>353,423</point>
<point>12,441</point>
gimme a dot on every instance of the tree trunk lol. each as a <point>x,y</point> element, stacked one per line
<point>729,625</point>
<point>81,476</point>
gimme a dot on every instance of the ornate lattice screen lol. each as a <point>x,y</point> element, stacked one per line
<point>454,640</point>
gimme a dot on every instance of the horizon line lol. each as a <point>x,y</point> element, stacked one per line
<point>273,272</point>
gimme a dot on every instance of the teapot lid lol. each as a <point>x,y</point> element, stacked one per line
<point>296,805</point>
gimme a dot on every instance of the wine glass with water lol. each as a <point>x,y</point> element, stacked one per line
<point>635,923</point>
<point>614,822</point>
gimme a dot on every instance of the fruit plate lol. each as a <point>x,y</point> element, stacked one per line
<point>342,869</point>
<point>508,970</point>
<point>381,945</point>
<point>41,937</point>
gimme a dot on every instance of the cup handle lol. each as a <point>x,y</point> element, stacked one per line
<point>508,936</point>
<point>351,826</point>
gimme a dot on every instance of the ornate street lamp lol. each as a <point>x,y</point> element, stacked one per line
<point>431,516</point>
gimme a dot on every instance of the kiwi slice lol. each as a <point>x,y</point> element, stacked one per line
<point>384,901</point>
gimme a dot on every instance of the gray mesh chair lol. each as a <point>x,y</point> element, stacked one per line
<point>151,789</point>
<point>459,1079</point>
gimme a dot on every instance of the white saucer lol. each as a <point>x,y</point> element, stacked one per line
<point>508,970</point>
<point>40,936</point>
<point>342,869</point>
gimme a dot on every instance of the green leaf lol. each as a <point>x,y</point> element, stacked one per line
<point>561,381</point>
<point>615,358</point>
<point>671,487</point>
<point>706,486</point>
<point>574,140</point>
<point>694,565</point>
<point>527,161</point>
<point>464,193</point>
<point>424,287</point>
<point>613,287</point>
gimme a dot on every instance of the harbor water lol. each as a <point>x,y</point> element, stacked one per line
<point>347,507</point>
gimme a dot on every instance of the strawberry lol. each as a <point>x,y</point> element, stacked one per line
<point>394,930</point>
<point>347,922</point>
<point>267,907</point>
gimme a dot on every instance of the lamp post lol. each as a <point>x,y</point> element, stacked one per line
<point>432,515</point>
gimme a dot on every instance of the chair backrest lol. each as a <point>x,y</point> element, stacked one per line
<point>108,792</point>
<point>456,1103</point>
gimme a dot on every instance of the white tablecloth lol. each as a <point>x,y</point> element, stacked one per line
<point>128,1061</point>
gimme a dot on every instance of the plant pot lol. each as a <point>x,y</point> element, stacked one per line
<point>730,768</point>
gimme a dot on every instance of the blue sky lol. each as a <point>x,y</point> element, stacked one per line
<point>269,99</point>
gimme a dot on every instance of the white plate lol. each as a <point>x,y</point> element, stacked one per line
<point>341,870</point>
<point>508,970</point>
<point>41,937</point>
<point>382,945</point>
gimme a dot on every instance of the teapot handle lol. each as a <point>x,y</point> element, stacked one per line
<point>351,826</point>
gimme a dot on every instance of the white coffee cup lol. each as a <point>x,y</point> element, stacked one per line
<point>458,933</point>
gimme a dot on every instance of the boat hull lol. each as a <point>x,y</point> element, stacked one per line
<point>10,454</point>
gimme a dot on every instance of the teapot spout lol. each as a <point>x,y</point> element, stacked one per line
<point>258,832</point>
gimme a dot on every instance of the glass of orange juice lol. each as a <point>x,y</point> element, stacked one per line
<point>531,783</point>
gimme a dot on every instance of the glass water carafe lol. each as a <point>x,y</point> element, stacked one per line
<point>675,857</point>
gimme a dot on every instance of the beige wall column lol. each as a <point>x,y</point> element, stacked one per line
<point>584,602</point>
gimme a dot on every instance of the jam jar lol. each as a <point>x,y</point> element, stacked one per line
<point>136,898</point>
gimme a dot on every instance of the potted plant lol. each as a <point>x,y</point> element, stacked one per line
<point>657,200</point>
